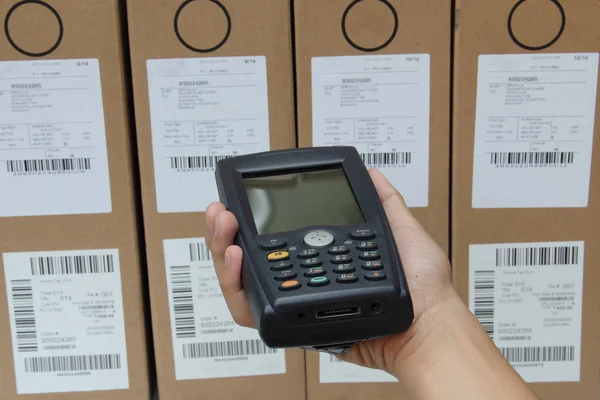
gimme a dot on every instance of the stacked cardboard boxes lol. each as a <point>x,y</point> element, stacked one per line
<point>526,188</point>
<point>376,75</point>
<point>211,79</point>
<point>71,288</point>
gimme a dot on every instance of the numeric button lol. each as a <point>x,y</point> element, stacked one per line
<point>285,275</point>
<point>308,253</point>
<point>372,265</point>
<point>369,255</point>
<point>366,246</point>
<point>311,262</point>
<point>281,266</point>
<point>339,250</point>
<point>347,278</point>
<point>344,269</point>
<point>341,259</point>
<point>316,271</point>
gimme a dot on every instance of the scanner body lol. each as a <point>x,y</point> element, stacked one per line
<point>321,269</point>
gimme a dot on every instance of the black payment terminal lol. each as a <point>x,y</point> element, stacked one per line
<point>320,266</point>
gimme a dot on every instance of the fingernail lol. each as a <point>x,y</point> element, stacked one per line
<point>227,260</point>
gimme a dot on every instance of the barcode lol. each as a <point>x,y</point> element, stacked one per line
<point>70,265</point>
<point>99,307</point>
<point>483,292</point>
<point>199,252</point>
<point>226,349</point>
<point>509,338</point>
<point>532,158</point>
<point>334,359</point>
<point>24,314</point>
<point>59,347</point>
<point>54,165</point>
<point>213,331</point>
<point>73,363</point>
<point>183,302</point>
<point>529,256</point>
<point>557,298</point>
<point>538,354</point>
<point>196,162</point>
<point>386,158</point>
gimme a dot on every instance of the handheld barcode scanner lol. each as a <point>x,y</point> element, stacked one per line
<point>320,266</point>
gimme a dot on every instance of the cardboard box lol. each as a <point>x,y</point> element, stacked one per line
<point>526,188</point>
<point>71,286</point>
<point>376,74</point>
<point>211,79</point>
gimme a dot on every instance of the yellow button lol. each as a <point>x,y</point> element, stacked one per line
<point>278,255</point>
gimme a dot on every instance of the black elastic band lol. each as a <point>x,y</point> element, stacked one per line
<point>12,42</point>
<point>370,49</point>
<point>196,49</point>
<point>544,46</point>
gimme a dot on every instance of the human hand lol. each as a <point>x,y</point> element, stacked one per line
<point>426,267</point>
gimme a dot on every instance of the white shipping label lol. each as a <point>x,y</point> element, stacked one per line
<point>53,157</point>
<point>528,297</point>
<point>334,370</point>
<point>534,130</point>
<point>207,343</point>
<point>203,110</point>
<point>66,320</point>
<point>380,105</point>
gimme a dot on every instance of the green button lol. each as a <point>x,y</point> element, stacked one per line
<point>319,279</point>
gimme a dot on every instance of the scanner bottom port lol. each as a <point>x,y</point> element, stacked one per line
<point>338,313</point>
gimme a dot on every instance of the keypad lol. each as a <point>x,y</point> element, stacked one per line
<point>308,253</point>
<point>341,259</point>
<point>344,269</point>
<point>285,275</point>
<point>339,250</point>
<point>310,267</point>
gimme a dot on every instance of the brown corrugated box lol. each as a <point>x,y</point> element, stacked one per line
<point>202,32</point>
<point>90,30</point>
<point>538,28</point>
<point>423,29</point>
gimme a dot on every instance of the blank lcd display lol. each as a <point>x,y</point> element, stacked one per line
<point>282,203</point>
